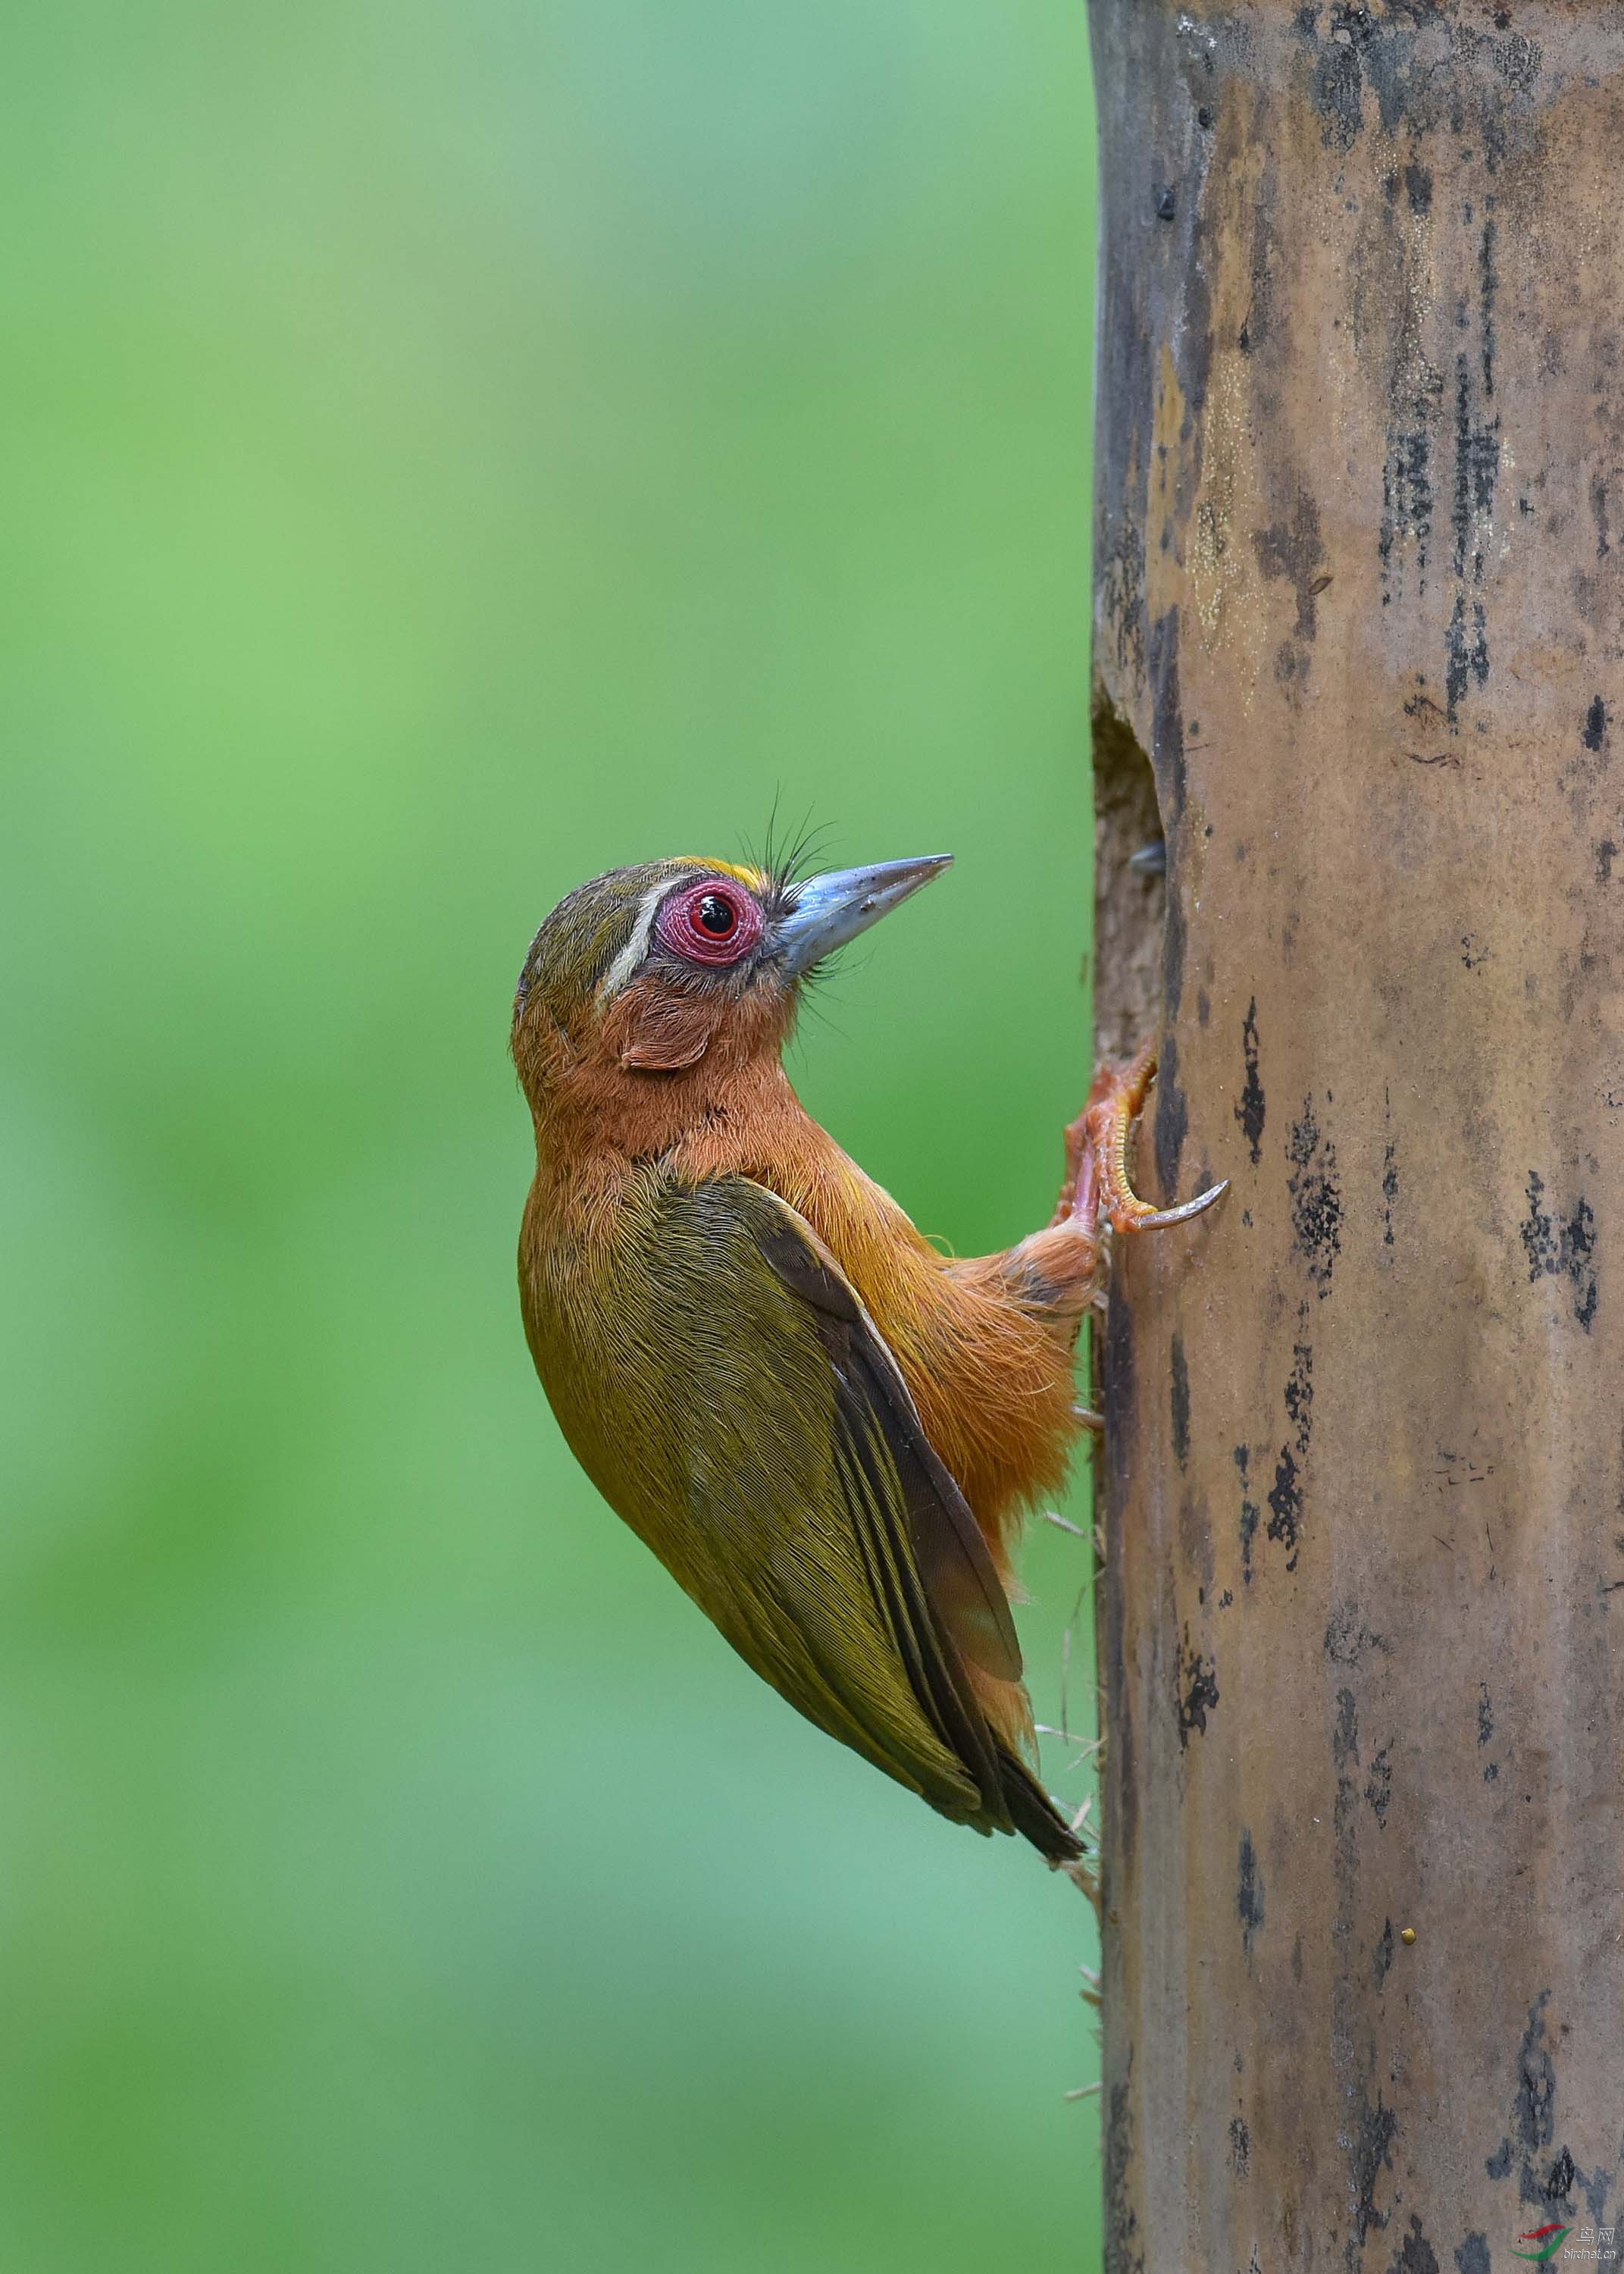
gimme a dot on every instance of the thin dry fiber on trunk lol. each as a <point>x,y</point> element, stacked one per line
<point>1360,601</point>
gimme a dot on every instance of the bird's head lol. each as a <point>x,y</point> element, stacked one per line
<point>683,968</point>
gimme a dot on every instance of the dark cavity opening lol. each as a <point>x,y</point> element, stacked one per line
<point>1130,902</point>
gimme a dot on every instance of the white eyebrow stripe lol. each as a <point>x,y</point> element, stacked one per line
<point>637,946</point>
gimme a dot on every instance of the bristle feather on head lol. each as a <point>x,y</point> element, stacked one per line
<point>783,866</point>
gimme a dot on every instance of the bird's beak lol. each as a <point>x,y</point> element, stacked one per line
<point>829,910</point>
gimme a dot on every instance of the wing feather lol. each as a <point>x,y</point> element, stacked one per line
<point>719,1378</point>
<point>881,1594</point>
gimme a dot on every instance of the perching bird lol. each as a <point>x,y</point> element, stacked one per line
<point>826,1430</point>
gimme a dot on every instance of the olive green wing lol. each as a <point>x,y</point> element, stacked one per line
<point>802,1506</point>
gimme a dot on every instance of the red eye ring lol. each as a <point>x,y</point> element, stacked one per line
<point>715,921</point>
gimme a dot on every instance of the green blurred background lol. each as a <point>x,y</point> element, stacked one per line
<point>454,448</point>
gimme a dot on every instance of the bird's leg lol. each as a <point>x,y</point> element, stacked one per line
<point>1097,1146</point>
<point>1054,1273</point>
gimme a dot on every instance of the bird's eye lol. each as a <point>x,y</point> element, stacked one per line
<point>714,916</point>
<point>711,923</point>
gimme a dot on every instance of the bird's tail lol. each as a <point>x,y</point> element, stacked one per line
<point>1034,1813</point>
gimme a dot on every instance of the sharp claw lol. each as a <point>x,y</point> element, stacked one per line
<point>1089,1418</point>
<point>1154,1219</point>
<point>1098,1182</point>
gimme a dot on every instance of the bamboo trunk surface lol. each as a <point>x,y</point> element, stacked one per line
<point>1358,626</point>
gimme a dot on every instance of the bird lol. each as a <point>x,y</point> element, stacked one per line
<point>827,1430</point>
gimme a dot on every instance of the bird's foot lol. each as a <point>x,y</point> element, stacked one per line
<point>1096,1145</point>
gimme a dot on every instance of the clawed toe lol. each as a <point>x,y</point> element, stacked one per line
<point>1097,1182</point>
<point>1145,1218</point>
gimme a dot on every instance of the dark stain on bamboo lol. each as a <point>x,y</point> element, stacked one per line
<point>1299,1396</point>
<point>1315,1188</point>
<point>1172,1115</point>
<point>1196,1688</point>
<point>1249,1895</point>
<point>1240,2147</point>
<point>1598,514</point>
<point>1122,2255</point>
<point>1167,743</point>
<point>1561,1250</point>
<point>1382,1958</point>
<point>1416,2253</point>
<point>1178,1401</point>
<point>1546,2181</point>
<point>1250,1513</point>
<point>1378,1785</point>
<point>1531,2099</point>
<point>1250,1110</point>
<point>1285,1499</point>
<point>1293,550</point>
<point>1348,1640</point>
<point>1370,2152</point>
